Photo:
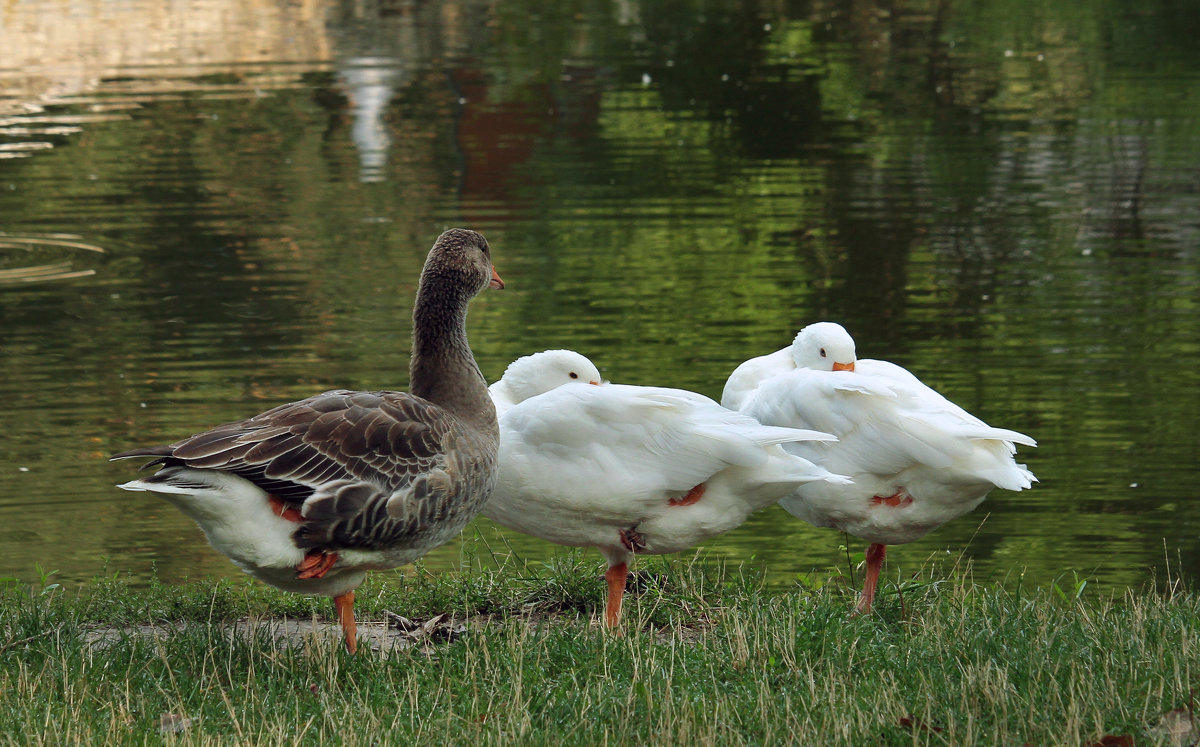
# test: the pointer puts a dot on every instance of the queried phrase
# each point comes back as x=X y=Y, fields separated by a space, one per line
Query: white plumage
x=632 y=469
x=239 y=522
x=916 y=459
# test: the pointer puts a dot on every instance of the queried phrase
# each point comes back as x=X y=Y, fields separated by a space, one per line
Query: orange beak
x=843 y=366
x=594 y=383
x=496 y=283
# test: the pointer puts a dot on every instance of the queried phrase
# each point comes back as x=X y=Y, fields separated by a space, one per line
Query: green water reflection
x=999 y=195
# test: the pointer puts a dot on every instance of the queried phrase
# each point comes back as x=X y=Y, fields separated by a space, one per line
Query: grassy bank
x=709 y=656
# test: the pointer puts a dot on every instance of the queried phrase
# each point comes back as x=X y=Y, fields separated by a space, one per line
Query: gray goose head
x=460 y=262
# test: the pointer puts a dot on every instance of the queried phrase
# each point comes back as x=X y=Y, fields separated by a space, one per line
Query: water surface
x=210 y=208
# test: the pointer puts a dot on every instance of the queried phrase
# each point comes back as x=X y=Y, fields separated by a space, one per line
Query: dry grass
x=707 y=658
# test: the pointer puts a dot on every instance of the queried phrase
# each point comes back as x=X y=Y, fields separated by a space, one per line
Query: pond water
x=213 y=207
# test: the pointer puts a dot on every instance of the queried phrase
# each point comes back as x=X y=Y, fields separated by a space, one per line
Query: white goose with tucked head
x=312 y=494
x=535 y=374
x=916 y=459
x=630 y=469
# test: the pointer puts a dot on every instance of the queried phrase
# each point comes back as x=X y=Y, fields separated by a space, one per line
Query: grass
x=709 y=656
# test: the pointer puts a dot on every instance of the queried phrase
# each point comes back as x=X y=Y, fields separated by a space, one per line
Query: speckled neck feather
x=443 y=369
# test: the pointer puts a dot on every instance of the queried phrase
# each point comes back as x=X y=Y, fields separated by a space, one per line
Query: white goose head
x=538 y=373
x=824 y=346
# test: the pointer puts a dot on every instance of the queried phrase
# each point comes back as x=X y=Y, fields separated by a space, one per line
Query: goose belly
x=679 y=528
x=554 y=518
x=862 y=509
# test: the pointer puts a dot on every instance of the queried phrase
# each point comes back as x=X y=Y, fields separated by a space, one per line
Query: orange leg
x=692 y=496
x=316 y=564
x=282 y=509
x=345 y=609
x=615 y=576
x=875 y=555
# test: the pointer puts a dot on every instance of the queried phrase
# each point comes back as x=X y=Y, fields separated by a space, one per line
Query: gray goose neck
x=443 y=369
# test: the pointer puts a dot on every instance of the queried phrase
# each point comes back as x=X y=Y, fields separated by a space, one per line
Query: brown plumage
x=371 y=479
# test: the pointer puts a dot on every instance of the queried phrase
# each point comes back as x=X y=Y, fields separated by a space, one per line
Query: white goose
x=312 y=494
x=630 y=469
x=917 y=460
x=536 y=374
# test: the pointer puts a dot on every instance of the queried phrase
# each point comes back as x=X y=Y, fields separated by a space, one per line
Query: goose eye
x=573 y=375
x=822 y=352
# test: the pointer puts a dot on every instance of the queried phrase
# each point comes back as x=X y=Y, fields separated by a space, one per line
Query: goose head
x=824 y=346
x=538 y=373
x=461 y=259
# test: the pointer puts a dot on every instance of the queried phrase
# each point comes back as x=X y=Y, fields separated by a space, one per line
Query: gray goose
x=312 y=494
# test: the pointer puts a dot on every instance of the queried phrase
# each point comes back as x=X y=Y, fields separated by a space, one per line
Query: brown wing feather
x=369 y=469
x=381 y=438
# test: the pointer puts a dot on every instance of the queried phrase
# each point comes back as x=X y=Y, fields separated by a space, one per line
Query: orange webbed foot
x=632 y=540
x=316 y=564
x=899 y=499
x=691 y=497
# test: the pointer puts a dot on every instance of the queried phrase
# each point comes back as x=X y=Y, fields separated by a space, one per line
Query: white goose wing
x=501 y=397
x=924 y=403
x=885 y=418
x=617 y=449
x=747 y=376
x=836 y=402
